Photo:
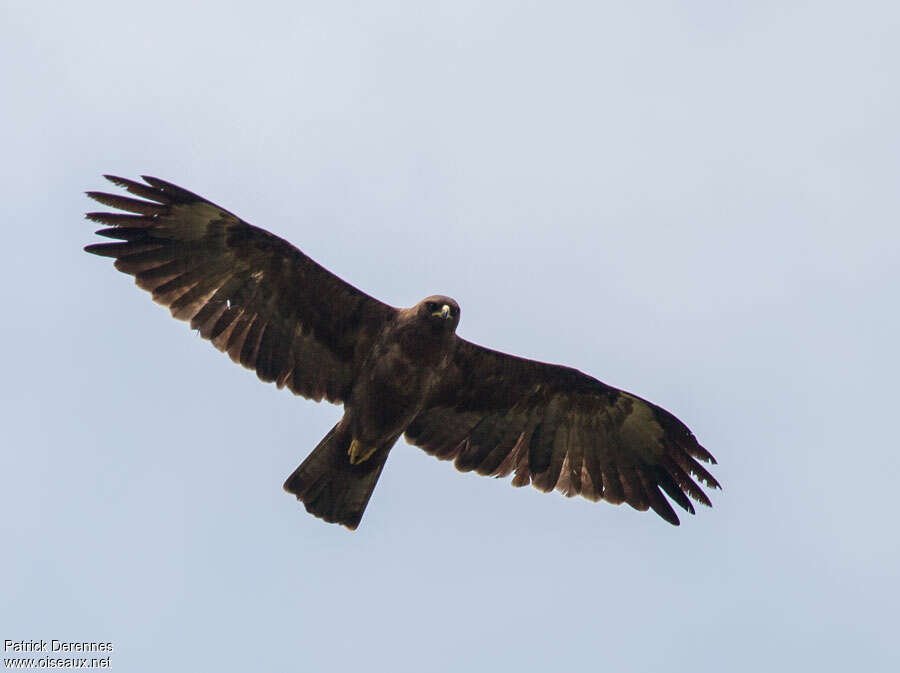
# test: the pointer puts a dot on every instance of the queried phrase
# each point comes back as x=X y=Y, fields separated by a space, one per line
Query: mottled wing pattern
x=252 y=294
x=557 y=428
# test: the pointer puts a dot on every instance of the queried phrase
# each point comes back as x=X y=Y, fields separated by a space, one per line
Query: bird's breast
x=394 y=386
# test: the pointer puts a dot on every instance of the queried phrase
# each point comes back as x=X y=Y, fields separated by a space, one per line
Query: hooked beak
x=443 y=313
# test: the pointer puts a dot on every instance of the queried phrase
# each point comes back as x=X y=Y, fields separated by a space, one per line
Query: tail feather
x=329 y=486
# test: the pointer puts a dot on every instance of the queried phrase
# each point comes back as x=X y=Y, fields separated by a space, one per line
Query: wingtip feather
x=101 y=249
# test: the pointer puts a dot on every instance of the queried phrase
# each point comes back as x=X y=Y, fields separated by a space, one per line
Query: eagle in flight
x=396 y=371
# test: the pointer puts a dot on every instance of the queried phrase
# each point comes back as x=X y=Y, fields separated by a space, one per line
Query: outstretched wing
x=560 y=429
x=254 y=295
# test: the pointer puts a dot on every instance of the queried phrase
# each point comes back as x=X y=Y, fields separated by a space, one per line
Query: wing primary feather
x=698 y=451
x=120 y=219
x=138 y=189
x=689 y=464
x=128 y=204
x=154 y=255
x=174 y=192
x=684 y=481
x=104 y=249
x=125 y=233
x=118 y=250
x=658 y=502
x=668 y=484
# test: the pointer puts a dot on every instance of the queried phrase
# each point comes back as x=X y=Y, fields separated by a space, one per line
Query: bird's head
x=439 y=311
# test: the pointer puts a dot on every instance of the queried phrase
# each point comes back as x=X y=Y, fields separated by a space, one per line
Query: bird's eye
x=431 y=306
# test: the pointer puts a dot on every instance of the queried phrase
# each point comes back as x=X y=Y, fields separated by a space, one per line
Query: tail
x=329 y=486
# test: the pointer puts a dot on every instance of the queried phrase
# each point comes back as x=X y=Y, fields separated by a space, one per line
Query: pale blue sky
x=695 y=201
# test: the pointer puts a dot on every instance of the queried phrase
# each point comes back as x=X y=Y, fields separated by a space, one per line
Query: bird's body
x=396 y=371
x=406 y=362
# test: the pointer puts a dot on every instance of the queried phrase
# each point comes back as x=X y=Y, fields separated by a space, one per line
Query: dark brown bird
x=396 y=371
